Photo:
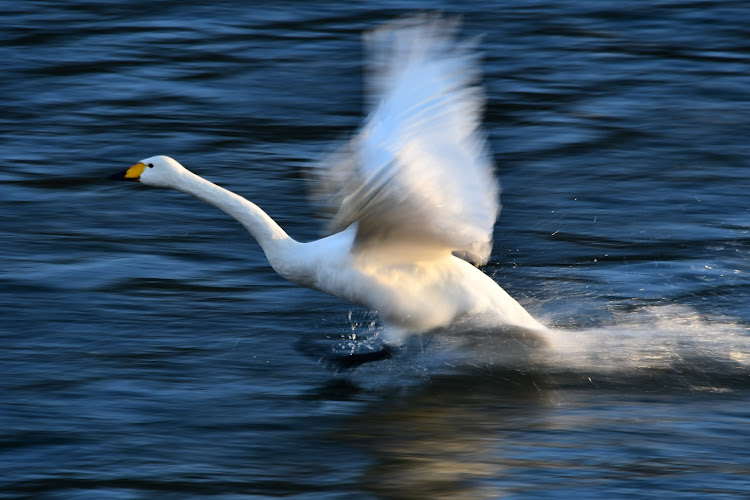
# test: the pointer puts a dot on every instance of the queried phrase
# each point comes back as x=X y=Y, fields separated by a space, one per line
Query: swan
x=412 y=196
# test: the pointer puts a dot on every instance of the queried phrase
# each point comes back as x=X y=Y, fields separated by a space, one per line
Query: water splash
x=650 y=348
x=670 y=344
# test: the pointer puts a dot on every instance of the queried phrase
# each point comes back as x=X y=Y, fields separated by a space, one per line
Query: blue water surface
x=149 y=351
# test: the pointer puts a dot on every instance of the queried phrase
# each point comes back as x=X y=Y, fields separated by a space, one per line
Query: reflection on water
x=499 y=433
x=445 y=440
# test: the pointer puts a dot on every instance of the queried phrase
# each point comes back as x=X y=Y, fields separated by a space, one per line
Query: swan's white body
x=410 y=192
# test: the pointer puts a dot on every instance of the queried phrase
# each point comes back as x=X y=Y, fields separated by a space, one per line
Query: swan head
x=160 y=171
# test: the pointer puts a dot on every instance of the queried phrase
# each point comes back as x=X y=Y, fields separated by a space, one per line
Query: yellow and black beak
x=131 y=174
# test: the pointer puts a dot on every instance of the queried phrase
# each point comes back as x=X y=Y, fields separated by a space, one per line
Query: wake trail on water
x=673 y=343
x=654 y=347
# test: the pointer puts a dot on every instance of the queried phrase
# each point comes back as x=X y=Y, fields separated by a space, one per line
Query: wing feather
x=418 y=174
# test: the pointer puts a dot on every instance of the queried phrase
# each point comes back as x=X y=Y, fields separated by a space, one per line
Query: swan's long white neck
x=276 y=243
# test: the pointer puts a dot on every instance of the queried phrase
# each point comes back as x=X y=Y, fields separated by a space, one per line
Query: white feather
x=418 y=174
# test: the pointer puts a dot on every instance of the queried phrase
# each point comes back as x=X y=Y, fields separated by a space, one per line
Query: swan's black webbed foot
x=342 y=360
x=348 y=361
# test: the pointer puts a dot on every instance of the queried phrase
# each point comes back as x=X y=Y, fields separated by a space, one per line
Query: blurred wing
x=418 y=175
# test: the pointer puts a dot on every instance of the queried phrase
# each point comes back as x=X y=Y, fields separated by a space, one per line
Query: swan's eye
x=150 y=165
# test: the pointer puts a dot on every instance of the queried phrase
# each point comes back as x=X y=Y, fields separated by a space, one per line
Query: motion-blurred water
x=148 y=351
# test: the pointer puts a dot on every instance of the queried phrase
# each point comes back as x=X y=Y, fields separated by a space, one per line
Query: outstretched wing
x=418 y=175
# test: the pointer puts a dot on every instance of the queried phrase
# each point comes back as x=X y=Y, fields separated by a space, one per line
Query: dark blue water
x=148 y=351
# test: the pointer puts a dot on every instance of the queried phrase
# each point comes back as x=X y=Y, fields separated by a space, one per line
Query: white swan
x=413 y=189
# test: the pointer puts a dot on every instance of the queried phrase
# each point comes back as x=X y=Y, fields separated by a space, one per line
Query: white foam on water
x=665 y=346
